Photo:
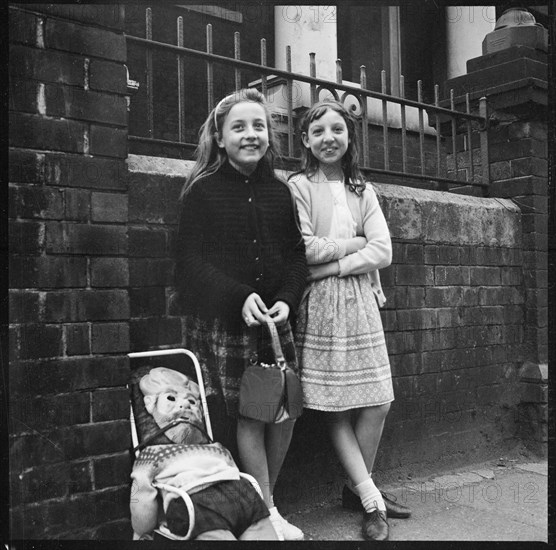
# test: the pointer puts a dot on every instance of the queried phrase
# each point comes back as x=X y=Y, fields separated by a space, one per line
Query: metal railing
x=463 y=159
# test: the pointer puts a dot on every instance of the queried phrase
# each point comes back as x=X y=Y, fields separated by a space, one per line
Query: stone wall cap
x=426 y=195
x=159 y=165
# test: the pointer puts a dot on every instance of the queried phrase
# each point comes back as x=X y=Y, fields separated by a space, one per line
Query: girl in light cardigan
x=341 y=346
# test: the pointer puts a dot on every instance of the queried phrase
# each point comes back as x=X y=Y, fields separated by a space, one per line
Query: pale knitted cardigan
x=315 y=203
x=189 y=467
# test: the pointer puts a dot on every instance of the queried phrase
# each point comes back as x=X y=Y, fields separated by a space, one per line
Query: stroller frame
x=200 y=383
x=163 y=530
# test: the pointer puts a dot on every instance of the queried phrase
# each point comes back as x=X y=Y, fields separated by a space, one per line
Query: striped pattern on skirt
x=341 y=346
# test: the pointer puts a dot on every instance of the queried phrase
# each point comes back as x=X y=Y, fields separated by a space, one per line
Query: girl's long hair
x=209 y=156
x=350 y=161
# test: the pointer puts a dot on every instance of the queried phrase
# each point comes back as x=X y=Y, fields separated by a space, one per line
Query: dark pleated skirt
x=225 y=353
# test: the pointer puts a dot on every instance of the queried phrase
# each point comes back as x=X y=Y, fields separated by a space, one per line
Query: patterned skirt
x=341 y=347
x=224 y=354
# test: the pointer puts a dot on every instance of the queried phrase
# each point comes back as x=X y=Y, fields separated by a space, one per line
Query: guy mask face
x=169 y=395
x=172 y=404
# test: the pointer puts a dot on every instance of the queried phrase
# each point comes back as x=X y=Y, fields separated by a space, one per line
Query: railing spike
x=149 y=24
x=237 y=55
x=404 y=127
x=313 y=74
x=454 y=135
x=149 y=70
x=388 y=101
x=181 y=83
x=210 y=73
x=483 y=111
x=437 y=121
x=364 y=120
x=363 y=77
x=339 y=71
x=289 y=100
x=386 y=154
x=263 y=63
x=421 y=127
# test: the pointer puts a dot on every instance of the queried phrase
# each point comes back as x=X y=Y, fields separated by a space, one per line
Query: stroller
x=151 y=440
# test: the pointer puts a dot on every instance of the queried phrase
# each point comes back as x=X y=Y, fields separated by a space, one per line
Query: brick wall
x=90 y=273
x=454 y=329
x=515 y=81
x=519 y=169
x=454 y=324
x=69 y=270
x=453 y=321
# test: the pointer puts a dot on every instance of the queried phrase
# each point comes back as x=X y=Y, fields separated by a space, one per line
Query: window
x=407 y=40
x=362 y=32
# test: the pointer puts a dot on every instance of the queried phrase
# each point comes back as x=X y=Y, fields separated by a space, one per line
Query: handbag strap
x=276 y=346
x=275 y=342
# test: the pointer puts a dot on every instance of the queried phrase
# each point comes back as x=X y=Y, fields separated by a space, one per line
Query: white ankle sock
x=370 y=496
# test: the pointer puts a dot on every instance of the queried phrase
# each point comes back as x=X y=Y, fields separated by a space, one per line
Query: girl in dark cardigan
x=240 y=257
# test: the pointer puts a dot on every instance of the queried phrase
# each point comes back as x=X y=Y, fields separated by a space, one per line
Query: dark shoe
x=393 y=510
x=375 y=526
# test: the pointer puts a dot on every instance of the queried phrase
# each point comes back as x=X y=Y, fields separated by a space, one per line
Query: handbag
x=270 y=393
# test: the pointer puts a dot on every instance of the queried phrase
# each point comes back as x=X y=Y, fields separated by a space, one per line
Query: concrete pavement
x=503 y=500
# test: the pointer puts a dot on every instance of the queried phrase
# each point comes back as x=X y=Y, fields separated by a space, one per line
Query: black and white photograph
x=278 y=272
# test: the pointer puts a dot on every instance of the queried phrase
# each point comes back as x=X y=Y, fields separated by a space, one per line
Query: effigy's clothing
x=188 y=467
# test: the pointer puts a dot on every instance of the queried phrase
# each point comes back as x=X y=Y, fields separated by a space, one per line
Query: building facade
x=93 y=187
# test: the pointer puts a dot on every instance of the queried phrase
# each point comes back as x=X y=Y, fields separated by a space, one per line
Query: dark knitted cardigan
x=238 y=235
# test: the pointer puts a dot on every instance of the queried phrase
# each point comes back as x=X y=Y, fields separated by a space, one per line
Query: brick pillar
x=69 y=303
x=514 y=80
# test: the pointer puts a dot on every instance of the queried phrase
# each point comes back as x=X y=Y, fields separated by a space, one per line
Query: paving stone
x=509 y=504
x=538 y=468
